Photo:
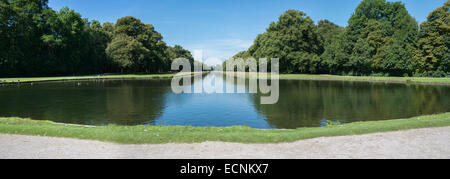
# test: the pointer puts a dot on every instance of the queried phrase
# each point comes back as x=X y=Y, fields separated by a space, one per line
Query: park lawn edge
x=405 y=80
x=412 y=80
x=420 y=80
x=92 y=77
x=187 y=134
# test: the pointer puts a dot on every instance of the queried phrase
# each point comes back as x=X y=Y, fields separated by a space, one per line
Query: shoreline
x=366 y=80
x=398 y=80
x=86 y=78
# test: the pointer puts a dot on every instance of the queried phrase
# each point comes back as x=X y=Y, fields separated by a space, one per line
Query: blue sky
x=221 y=28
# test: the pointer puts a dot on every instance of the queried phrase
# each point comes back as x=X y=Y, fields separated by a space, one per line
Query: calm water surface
x=151 y=102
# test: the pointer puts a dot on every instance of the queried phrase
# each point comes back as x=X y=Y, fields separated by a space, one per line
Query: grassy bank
x=97 y=77
x=184 y=134
x=424 y=80
x=369 y=78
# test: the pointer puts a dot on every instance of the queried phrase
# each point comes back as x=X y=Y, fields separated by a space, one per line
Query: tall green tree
x=96 y=60
x=66 y=41
x=155 y=59
x=127 y=53
x=329 y=33
x=433 y=53
x=178 y=51
x=336 y=54
x=381 y=36
x=6 y=20
x=294 y=39
x=23 y=22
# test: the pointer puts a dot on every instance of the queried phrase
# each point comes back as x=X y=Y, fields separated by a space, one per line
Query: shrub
x=437 y=74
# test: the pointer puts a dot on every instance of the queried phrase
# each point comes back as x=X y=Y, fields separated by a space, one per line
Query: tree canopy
x=381 y=38
x=294 y=39
x=433 y=53
x=38 y=41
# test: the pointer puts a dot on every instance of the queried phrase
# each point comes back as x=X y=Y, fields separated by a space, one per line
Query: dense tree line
x=38 y=41
x=381 y=38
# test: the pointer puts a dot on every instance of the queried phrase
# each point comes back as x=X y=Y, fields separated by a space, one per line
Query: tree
x=178 y=51
x=329 y=33
x=294 y=40
x=367 y=49
x=127 y=53
x=38 y=41
x=6 y=19
x=66 y=41
x=336 y=54
x=156 y=59
x=433 y=53
x=96 y=60
x=108 y=28
x=21 y=28
x=382 y=36
x=243 y=55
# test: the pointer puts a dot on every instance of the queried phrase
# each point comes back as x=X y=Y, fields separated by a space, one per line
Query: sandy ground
x=418 y=143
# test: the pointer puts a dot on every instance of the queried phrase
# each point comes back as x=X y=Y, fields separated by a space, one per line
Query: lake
x=302 y=103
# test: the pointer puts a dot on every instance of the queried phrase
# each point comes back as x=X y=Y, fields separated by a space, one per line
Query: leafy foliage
x=294 y=39
x=38 y=41
x=433 y=54
x=381 y=38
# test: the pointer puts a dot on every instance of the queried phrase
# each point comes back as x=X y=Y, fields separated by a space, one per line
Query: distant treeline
x=381 y=39
x=38 y=41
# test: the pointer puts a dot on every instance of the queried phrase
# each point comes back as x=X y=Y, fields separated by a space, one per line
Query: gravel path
x=418 y=143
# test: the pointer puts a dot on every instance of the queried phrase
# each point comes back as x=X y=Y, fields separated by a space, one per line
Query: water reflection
x=305 y=103
x=126 y=102
x=212 y=109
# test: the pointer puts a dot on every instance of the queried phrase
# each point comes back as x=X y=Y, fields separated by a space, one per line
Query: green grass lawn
x=425 y=80
x=370 y=78
x=186 y=134
x=43 y=79
x=282 y=76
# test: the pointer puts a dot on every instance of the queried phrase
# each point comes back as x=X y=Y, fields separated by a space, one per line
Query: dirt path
x=418 y=143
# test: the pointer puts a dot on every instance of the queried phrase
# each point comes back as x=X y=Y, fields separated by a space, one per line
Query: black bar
x=228 y=168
